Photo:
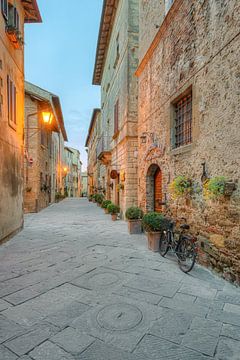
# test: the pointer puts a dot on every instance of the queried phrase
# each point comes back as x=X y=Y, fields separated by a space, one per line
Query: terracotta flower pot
x=135 y=226
x=114 y=217
x=153 y=241
x=93 y=200
x=106 y=211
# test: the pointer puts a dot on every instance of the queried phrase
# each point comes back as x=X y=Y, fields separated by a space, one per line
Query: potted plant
x=218 y=187
x=113 y=210
x=154 y=223
x=99 y=199
x=90 y=198
x=105 y=204
x=181 y=186
x=134 y=216
x=94 y=198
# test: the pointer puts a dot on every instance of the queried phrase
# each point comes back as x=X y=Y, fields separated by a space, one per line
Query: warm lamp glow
x=47 y=117
x=65 y=169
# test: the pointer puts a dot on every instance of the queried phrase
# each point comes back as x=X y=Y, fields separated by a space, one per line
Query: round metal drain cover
x=103 y=279
x=119 y=317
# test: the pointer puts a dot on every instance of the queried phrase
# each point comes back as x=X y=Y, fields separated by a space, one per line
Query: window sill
x=182 y=149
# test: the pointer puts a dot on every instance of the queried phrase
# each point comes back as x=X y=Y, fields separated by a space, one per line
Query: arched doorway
x=154 y=189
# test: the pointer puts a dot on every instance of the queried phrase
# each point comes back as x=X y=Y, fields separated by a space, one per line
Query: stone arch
x=154 y=172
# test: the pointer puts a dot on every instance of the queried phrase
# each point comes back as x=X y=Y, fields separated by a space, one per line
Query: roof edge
x=96 y=111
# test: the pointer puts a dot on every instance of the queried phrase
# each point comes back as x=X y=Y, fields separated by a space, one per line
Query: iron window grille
x=183 y=121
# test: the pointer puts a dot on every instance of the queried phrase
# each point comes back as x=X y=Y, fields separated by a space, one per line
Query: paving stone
x=70 y=312
x=161 y=287
x=5 y=354
x=138 y=295
x=209 y=327
x=184 y=306
x=195 y=290
x=214 y=304
x=228 y=349
x=231 y=331
x=27 y=342
x=49 y=351
x=4 y=305
x=72 y=340
x=184 y=298
x=171 y=325
x=232 y=308
x=21 y=296
x=101 y=351
x=200 y=341
x=119 y=321
x=9 y=329
x=160 y=349
x=231 y=297
x=101 y=279
x=225 y=317
x=74 y=240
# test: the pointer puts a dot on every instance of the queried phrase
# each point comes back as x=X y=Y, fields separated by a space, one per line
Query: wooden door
x=158 y=191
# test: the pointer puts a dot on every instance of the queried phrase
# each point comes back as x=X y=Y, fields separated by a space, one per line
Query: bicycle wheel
x=164 y=242
x=187 y=254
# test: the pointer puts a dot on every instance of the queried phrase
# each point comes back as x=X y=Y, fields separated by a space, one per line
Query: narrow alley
x=75 y=285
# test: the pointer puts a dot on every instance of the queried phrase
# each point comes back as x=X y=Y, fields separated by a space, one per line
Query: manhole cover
x=103 y=279
x=119 y=317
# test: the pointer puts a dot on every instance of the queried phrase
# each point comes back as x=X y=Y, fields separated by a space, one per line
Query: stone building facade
x=12 y=110
x=44 y=144
x=76 y=172
x=188 y=120
x=93 y=138
x=116 y=63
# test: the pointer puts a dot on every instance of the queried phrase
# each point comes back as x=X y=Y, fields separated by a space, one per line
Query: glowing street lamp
x=47 y=117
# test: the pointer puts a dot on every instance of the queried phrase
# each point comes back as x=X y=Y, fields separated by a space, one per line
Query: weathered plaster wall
x=202 y=52
x=119 y=83
x=36 y=197
x=11 y=140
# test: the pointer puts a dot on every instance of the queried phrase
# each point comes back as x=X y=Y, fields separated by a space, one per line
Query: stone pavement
x=75 y=285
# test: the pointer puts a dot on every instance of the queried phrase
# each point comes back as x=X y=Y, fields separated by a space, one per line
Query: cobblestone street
x=75 y=285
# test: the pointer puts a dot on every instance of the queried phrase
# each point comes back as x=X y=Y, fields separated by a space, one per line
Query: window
x=117 y=52
x=12 y=106
x=13 y=17
x=116 y=117
x=183 y=121
x=4 y=7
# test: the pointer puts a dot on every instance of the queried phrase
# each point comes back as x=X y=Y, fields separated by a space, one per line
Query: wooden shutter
x=116 y=117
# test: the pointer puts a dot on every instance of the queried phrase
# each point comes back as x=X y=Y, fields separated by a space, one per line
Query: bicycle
x=185 y=246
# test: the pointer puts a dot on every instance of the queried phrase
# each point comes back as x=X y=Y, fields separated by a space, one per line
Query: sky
x=60 y=56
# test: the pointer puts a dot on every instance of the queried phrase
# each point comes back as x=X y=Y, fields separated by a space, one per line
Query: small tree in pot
x=113 y=210
x=99 y=199
x=154 y=223
x=134 y=216
x=105 y=204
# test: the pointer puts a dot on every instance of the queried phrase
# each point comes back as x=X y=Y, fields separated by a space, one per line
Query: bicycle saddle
x=185 y=227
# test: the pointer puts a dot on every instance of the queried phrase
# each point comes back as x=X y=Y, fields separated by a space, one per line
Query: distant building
x=84 y=179
x=13 y=15
x=68 y=168
x=95 y=183
x=115 y=66
x=76 y=172
x=44 y=146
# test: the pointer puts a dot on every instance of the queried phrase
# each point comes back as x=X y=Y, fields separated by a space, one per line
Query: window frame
x=4 y=9
x=116 y=117
x=12 y=103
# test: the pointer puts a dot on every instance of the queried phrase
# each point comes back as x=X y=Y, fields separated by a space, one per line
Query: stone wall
x=120 y=84
x=201 y=53
x=11 y=135
x=36 y=196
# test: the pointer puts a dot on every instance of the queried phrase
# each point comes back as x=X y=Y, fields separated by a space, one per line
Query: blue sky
x=60 y=56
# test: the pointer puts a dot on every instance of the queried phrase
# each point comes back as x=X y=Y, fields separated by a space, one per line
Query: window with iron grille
x=12 y=103
x=183 y=121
